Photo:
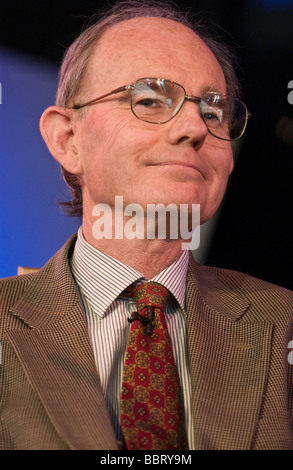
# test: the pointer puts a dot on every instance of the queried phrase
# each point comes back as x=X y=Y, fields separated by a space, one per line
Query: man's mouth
x=180 y=163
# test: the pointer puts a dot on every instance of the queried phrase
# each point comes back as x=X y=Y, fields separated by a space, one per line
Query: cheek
x=97 y=133
x=220 y=163
x=220 y=157
x=113 y=150
x=112 y=133
x=231 y=164
x=98 y=143
x=92 y=148
x=224 y=166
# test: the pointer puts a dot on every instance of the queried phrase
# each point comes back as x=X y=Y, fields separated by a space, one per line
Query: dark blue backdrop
x=32 y=227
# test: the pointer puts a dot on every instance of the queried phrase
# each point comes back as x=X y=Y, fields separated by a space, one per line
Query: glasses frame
x=194 y=99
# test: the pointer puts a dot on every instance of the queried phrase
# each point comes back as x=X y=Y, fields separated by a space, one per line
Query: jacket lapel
x=229 y=358
x=56 y=355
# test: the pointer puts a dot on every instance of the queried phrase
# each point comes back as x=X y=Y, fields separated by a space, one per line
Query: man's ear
x=57 y=131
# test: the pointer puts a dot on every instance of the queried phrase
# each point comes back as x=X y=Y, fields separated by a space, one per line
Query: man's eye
x=213 y=116
x=149 y=103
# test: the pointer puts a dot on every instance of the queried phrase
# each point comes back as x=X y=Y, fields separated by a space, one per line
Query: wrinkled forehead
x=143 y=47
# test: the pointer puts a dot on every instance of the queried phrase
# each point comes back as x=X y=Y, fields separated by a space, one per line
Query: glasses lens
x=225 y=117
x=156 y=100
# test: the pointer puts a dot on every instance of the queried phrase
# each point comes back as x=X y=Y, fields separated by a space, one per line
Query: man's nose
x=188 y=126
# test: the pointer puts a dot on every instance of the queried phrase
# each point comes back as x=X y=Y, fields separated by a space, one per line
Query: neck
x=149 y=257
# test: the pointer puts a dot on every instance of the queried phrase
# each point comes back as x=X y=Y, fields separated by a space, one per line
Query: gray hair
x=77 y=57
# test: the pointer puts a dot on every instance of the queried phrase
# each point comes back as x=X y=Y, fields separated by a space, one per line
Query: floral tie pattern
x=152 y=415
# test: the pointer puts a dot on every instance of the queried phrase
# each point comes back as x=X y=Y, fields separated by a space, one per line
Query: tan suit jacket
x=238 y=333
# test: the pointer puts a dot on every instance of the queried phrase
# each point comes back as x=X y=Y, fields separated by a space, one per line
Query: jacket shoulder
x=41 y=295
x=11 y=289
x=256 y=290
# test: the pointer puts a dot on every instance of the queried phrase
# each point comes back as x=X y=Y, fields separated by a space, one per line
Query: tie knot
x=148 y=294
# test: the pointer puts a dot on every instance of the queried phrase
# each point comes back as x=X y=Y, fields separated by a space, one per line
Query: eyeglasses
x=157 y=101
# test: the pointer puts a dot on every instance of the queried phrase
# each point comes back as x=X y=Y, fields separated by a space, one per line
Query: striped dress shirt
x=100 y=280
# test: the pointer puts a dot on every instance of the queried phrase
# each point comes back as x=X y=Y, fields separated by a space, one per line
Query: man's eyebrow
x=211 y=89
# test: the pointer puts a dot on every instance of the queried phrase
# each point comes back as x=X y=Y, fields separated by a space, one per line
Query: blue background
x=32 y=226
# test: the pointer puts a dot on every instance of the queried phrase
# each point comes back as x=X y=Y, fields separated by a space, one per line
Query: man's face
x=176 y=162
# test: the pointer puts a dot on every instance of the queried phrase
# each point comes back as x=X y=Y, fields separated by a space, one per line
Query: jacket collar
x=207 y=285
x=51 y=293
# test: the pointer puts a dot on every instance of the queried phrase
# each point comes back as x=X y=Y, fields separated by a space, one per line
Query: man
x=124 y=126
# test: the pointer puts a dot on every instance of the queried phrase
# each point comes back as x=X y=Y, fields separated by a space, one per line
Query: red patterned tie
x=152 y=415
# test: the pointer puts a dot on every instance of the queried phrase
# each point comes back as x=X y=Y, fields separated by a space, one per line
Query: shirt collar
x=101 y=278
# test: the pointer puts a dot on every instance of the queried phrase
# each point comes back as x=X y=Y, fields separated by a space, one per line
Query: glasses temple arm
x=88 y=103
